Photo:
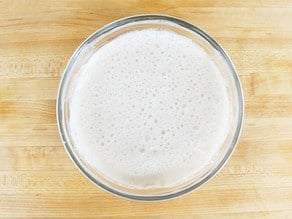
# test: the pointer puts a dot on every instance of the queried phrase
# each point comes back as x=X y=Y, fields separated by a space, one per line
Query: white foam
x=151 y=109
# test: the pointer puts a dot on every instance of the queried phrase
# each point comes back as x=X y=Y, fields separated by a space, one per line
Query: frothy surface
x=150 y=109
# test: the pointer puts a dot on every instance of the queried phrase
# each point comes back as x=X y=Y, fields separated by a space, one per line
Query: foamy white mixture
x=149 y=109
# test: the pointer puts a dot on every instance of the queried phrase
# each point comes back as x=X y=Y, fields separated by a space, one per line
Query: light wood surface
x=37 y=179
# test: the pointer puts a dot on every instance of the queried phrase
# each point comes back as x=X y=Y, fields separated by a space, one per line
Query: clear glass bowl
x=113 y=30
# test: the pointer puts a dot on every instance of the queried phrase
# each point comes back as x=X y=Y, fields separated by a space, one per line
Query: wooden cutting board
x=37 y=179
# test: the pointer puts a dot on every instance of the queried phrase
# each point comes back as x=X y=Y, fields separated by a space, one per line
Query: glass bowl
x=113 y=30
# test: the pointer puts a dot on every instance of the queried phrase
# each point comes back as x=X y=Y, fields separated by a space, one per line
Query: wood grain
x=37 y=179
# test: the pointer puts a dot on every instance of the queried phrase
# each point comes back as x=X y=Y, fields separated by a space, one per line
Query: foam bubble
x=151 y=109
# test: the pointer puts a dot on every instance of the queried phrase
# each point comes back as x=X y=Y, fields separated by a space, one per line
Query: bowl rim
x=60 y=113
